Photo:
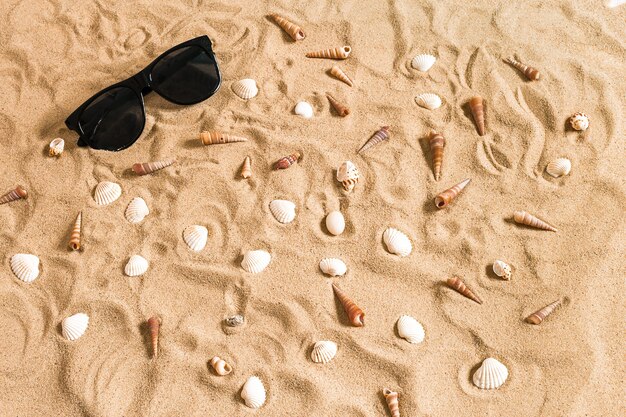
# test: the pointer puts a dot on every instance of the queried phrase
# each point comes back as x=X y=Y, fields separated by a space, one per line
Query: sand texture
x=56 y=54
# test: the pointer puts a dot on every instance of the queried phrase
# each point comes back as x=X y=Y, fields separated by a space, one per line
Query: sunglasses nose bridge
x=143 y=81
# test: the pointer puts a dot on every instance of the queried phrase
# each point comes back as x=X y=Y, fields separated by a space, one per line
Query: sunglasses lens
x=186 y=75
x=114 y=120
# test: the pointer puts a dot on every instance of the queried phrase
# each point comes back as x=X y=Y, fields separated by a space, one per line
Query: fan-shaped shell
x=423 y=62
x=196 y=237
x=283 y=210
x=397 y=242
x=25 y=267
x=559 y=167
x=74 y=326
x=245 y=89
x=323 y=351
x=304 y=109
x=253 y=392
x=255 y=261
x=333 y=267
x=429 y=101
x=107 y=192
x=491 y=374
x=502 y=269
x=335 y=223
x=410 y=329
x=137 y=210
x=137 y=265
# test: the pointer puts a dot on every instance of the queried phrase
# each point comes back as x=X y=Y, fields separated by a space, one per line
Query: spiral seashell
x=423 y=62
x=107 y=192
x=355 y=314
x=154 y=325
x=333 y=267
x=392 y=402
x=283 y=210
x=220 y=366
x=531 y=73
x=196 y=237
x=287 y=161
x=150 y=167
x=253 y=392
x=246 y=169
x=136 y=211
x=217 y=138
x=335 y=223
x=137 y=265
x=255 y=261
x=348 y=175
x=478 y=113
x=25 y=267
x=56 y=147
x=341 y=75
x=331 y=53
x=502 y=269
x=428 y=101
x=446 y=197
x=521 y=217
x=74 y=326
x=292 y=30
x=410 y=329
x=304 y=109
x=397 y=242
x=381 y=135
x=460 y=287
x=16 y=194
x=579 y=121
x=437 y=143
x=323 y=351
x=559 y=167
x=538 y=316
x=245 y=89
x=235 y=321
x=491 y=374
x=341 y=110
x=75 y=235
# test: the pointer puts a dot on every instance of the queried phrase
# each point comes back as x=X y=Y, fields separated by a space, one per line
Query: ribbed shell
x=522 y=217
x=341 y=75
x=477 y=107
x=255 y=261
x=74 y=326
x=341 y=109
x=150 y=167
x=531 y=73
x=392 y=402
x=335 y=223
x=253 y=392
x=76 y=233
x=107 y=192
x=333 y=267
x=25 y=267
x=304 y=109
x=446 y=197
x=137 y=210
x=56 y=147
x=245 y=89
x=381 y=135
x=323 y=351
x=292 y=30
x=348 y=175
x=331 y=53
x=196 y=237
x=137 y=265
x=428 y=101
x=423 y=62
x=502 y=269
x=559 y=167
x=491 y=374
x=410 y=329
x=579 y=121
x=397 y=242
x=538 y=316
x=283 y=210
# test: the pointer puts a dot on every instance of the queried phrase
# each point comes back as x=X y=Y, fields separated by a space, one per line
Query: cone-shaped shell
x=338 y=73
x=217 y=138
x=531 y=73
x=246 y=169
x=335 y=223
x=323 y=351
x=437 y=143
x=245 y=89
x=287 y=161
x=559 y=167
x=579 y=121
x=253 y=392
x=75 y=235
x=331 y=53
x=292 y=30
x=74 y=326
x=381 y=135
x=460 y=287
x=477 y=108
x=348 y=175
x=154 y=325
x=56 y=147
x=25 y=267
x=392 y=402
x=107 y=192
x=150 y=167
x=16 y=194
x=220 y=366
x=410 y=329
x=341 y=110
x=255 y=261
x=195 y=237
x=397 y=242
x=502 y=269
x=428 y=101
x=136 y=265
x=538 y=316
x=355 y=314
x=491 y=374
x=446 y=197
x=137 y=210
x=333 y=267
x=283 y=210
x=423 y=62
x=304 y=109
x=521 y=217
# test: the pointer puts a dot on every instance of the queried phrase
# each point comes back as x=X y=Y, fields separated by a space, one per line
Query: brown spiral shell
x=437 y=143
x=355 y=314
x=531 y=73
x=154 y=325
x=75 y=235
x=522 y=217
x=340 y=75
x=341 y=110
x=216 y=138
x=392 y=402
x=292 y=30
x=287 y=161
x=331 y=53
x=446 y=197
x=476 y=104
x=538 y=316
x=246 y=169
x=16 y=194
x=150 y=167
x=460 y=287
x=381 y=135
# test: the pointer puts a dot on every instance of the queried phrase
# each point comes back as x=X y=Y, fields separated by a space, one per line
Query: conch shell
x=292 y=30
x=341 y=75
x=460 y=287
x=215 y=138
x=331 y=53
x=75 y=235
x=446 y=197
x=521 y=217
x=538 y=316
x=531 y=73
x=478 y=112
x=355 y=314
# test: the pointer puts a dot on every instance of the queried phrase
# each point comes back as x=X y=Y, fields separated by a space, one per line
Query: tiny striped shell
x=397 y=242
x=253 y=392
x=56 y=147
x=428 y=101
x=579 y=121
x=333 y=267
x=296 y=33
x=539 y=316
x=335 y=223
x=341 y=75
x=137 y=210
x=76 y=233
x=502 y=269
x=410 y=329
x=25 y=267
x=283 y=210
x=245 y=89
x=74 y=326
x=107 y=192
x=137 y=265
x=323 y=351
x=522 y=217
x=491 y=374
x=331 y=53
x=255 y=261
x=423 y=62
x=304 y=109
x=341 y=109
x=196 y=237
x=559 y=167
x=150 y=167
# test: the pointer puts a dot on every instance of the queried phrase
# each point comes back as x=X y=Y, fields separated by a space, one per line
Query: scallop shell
x=253 y=392
x=502 y=269
x=283 y=210
x=137 y=265
x=323 y=351
x=335 y=223
x=397 y=242
x=107 y=192
x=559 y=167
x=304 y=109
x=428 y=101
x=348 y=175
x=410 y=329
x=74 y=326
x=423 y=62
x=56 y=147
x=196 y=237
x=245 y=89
x=255 y=261
x=137 y=210
x=491 y=374
x=25 y=267
x=333 y=267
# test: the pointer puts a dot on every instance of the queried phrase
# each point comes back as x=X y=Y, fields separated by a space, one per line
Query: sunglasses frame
x=141 y=84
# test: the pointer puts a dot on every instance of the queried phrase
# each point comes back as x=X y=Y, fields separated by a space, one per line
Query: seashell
x=335 y=223
x=521 y=217
x=246 y=169
x=137 y=210
x=245 y=89
x=107 y=192
x=538 y=316
x=341 y=110
x=331 y=53
x=478 y=113
x=217 y=138
x=283 y=210
x=304 y=109
x=531 y=73
x=137 y=265
x=381 y=135
x=234 y=321
x=287 y=161
x=428 y=101
x=16 y=194
x=56 y=147
x=614 y=3
x=25 y=267
x=292 y=30
x=196 y=237
x=579 y=121
x=255 y=261
x=460 y=287
x=559 y=167
x=355 y=314
x=333 y=267
x=220 y=366
x=491 y=374
x=253 y=392
x=348 y=175
x=75 y=235
x=410 y=329
x=341 y=75
x=323 y=351
x=154 y=325
x=397 y=242
x=150 y=167
x=437 y=143
x=423 y=62
x=392 y=402
x=446 y=197
x=74 y=326
x=502 y=269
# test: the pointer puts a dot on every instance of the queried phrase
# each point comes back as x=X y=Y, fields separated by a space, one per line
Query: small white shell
x=491 y=374
x=579 y=121
x=196 y=237
x=137 y=265
x=423 y=62
x=57 y=146
x=25 y=267
x=137 y=210
x=335 y=223
x=348 y=175
x=323 y=351
x=397 y=242
x=502 y=269
x=429 y=101
x=245 y=89
x=253 y=392
x=333 y=267
x=107 y=192
x=74 y=326
x=255 y=261
x=283 y=210
x=410 y=329
x=304 y=109
x=559 y=167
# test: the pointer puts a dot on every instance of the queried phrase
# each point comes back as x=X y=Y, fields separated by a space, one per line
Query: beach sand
x=56 y=54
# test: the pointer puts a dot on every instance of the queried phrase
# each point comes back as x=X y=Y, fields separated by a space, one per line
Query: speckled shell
x=137 y=265
x=348 y=175
x=255 y=261
x=220 y=366
x=428 y=101
x=74 y=326
x=579 y=121
x=410 y=329
x=137 y=210
x=423 y=62
x=253 y=392
x=491 y=374
x=25 y=267
x=323 y=351
x=304 y=109
x=335 y=223
x=245 y=89
x=107 y=192
x=283 y=210
x=397 y=242
x=559 y=167
x=333 y=267
x=196 y=237
x=502 y=269
x=56 y=147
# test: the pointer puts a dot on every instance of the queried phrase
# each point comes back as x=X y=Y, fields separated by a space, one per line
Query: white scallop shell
x=137 y=265
x=107 y=192
x=137 y=210
x=283 y=210
x=429 y=101
x=491 y=374
x=304 y=109
x=255 y=261
x=196 y=237
x=423 y=62
x=25 y=267
x=335 y=223
x=57 y=146
x=410 y=329
x=253 y=392
x=333 y=267
x=502 y=269
x=579 y=121
x=323 y=351
x=397 y=242
x=74 y=326
x=559 y=167
x=245 y=89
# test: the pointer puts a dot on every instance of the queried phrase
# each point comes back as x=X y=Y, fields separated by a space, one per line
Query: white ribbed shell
x=137 y=265
x=429 y=101
x=304 y=109
x=107 y=192
x=255 y=261
x=75 y=326
x=491 y=374
x=245 y=89
x=323 y=351
x=333 y=267
x=423 y=62
x=253 y=392
x=25 y=266
x=559 y=167
x=502 y=269
x=410 y=329
x=137 y=210
x=335 y=223
x=397 y=242
x=196 y=237
x=283 y=210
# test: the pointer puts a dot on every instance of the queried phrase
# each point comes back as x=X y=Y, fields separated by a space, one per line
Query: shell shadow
x=192 y=144
x=144 y=330
x=490 y=274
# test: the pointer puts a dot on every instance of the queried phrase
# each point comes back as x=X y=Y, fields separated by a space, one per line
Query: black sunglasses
x=114 y=118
